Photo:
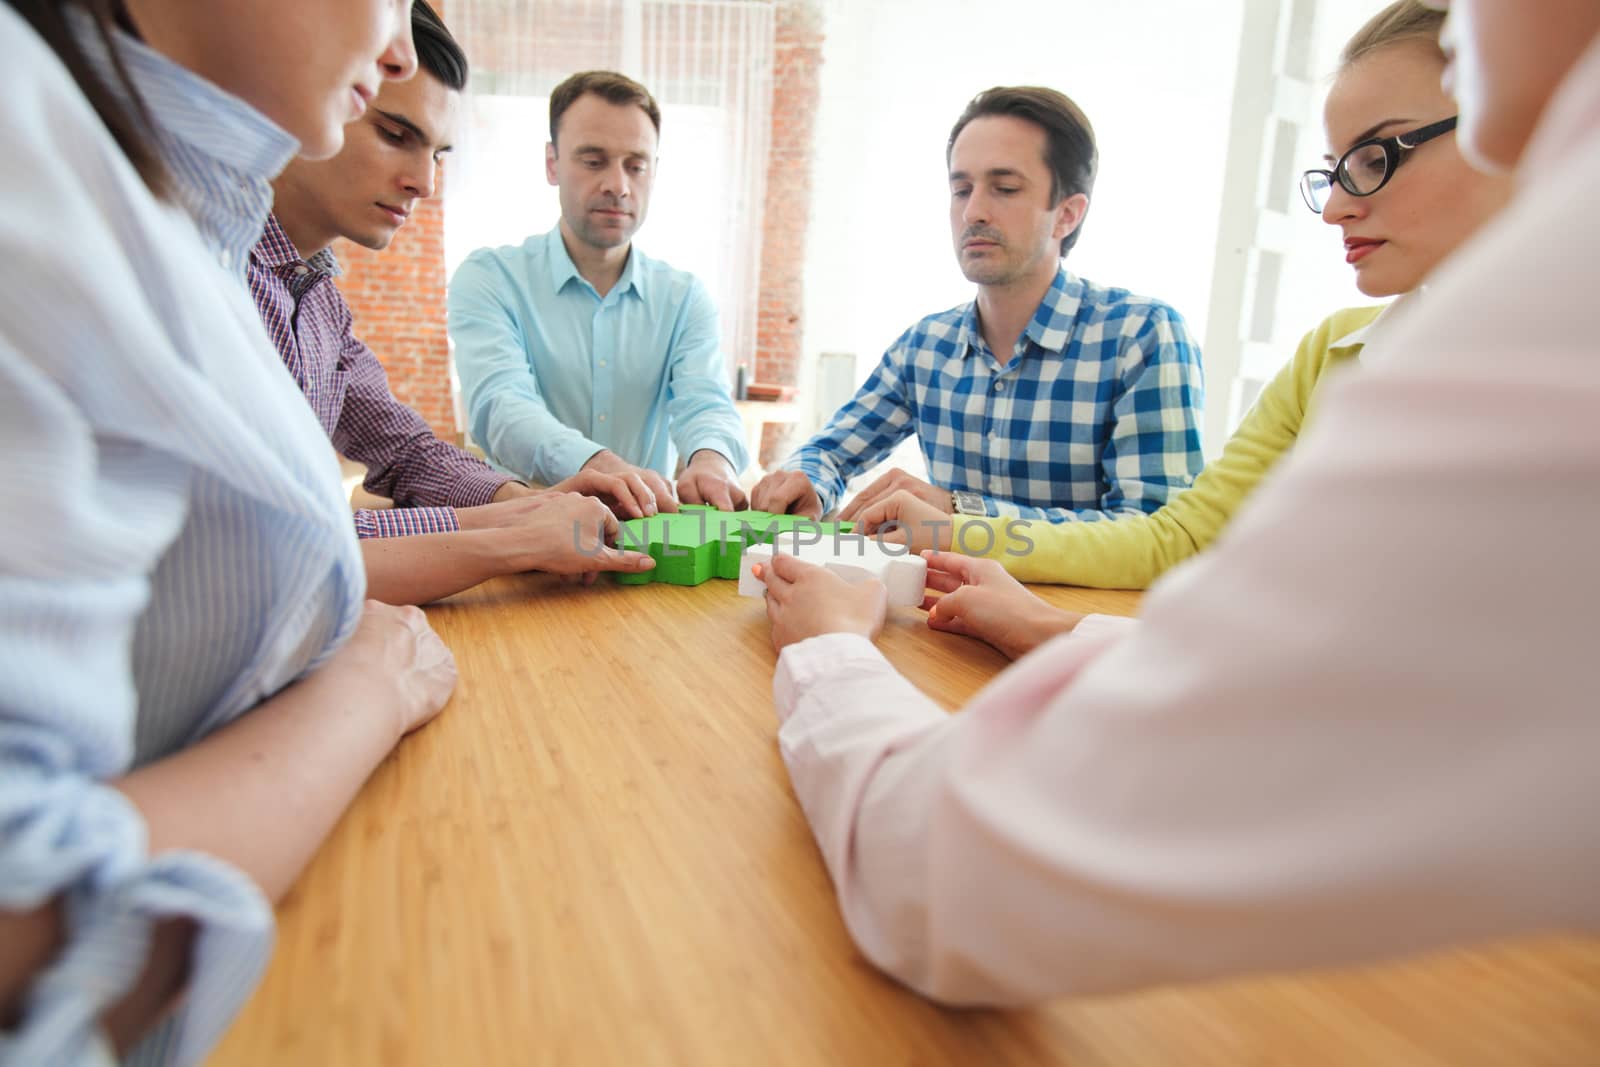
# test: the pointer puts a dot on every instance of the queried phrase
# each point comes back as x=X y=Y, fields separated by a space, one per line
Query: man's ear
x=1070 y=213
x=550 y=162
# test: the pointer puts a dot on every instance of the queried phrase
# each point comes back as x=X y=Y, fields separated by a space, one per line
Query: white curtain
x=709 y=65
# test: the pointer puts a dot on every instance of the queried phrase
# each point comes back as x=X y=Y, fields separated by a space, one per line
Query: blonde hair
x=1405 y=20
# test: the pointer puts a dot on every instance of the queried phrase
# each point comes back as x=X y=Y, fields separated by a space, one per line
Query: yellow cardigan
x=1131 y=552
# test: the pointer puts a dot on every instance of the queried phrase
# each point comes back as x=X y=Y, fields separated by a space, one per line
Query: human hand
x=897 y=481
x=710 y=479
x=979 y=599
x=574 y=534
x=394 y=648
x=786 y=492
x=657 y=489
x=804 y=600
x=627 y=494
x=903 y=518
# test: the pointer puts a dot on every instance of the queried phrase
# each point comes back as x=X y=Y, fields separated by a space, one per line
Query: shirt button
x=999 y=386
x=602 y=363
x=226 y=258
x=602 y=418
x=302 y=270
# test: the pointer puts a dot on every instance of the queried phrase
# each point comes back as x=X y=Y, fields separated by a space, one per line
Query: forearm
x=429 y=567
x=274 y=781
x=1128 y=553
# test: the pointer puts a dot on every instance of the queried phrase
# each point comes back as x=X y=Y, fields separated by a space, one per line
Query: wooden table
x=593 y=858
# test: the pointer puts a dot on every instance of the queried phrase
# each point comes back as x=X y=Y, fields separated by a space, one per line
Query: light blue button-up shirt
x=552 y=372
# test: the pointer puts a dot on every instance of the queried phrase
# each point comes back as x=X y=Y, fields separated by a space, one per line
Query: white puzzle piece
x=853 y=557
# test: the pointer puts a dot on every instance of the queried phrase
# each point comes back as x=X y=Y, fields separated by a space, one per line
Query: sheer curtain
x=709 y=65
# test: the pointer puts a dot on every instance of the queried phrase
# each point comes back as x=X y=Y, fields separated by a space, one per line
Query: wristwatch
x=966 y=502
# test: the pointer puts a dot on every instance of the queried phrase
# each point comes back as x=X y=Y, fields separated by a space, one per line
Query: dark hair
x=438 y=52
x=610 y=86
x=129 y=123
x=1069 y=149
x=1398 y=23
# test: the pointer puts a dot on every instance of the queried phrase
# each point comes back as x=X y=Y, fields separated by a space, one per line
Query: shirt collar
x=276 y=251
x=1361 y=336
x=219 y=152
x=1051 y=326
x=563 y=270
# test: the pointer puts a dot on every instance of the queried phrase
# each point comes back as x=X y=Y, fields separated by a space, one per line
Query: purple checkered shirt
x=308 y=320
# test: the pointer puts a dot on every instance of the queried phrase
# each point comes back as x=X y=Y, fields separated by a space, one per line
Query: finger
x=882 y=489
x=689 y=490
x=623 y=500
x=616 y=559
x=642 y=493
x=738 y=501
x=762 y=492
x=949 y=610
x=879 y=489
x=777 y=586
x=949 y=624
x=942 y=582
x=716 y=494
x=870 y=518
x=963 y=568
x=666 y=498
x=864 y=500
x=790 y=569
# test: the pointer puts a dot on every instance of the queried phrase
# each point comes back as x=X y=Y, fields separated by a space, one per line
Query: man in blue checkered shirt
x=1049 y=397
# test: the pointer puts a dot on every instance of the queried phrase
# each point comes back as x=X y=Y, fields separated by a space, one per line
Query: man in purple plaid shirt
x=458 y=521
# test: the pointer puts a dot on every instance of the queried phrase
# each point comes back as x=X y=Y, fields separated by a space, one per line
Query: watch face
x=969 y=503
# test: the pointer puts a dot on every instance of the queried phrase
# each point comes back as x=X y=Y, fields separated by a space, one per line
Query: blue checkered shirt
x=1096 y=414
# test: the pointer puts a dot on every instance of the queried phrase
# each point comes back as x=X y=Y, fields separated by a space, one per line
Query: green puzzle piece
x=699 y=542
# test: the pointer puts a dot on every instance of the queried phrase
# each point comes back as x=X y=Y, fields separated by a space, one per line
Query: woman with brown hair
x=190 y=688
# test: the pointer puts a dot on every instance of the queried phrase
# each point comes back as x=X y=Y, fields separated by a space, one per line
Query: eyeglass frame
x=1395 y=150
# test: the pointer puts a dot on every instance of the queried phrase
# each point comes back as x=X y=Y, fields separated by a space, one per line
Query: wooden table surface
x=593 y=858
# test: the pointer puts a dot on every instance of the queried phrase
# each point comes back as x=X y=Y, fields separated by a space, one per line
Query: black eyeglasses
x=1368 y=166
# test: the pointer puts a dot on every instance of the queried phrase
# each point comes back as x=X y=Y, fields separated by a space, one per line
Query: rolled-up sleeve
x=84 y=524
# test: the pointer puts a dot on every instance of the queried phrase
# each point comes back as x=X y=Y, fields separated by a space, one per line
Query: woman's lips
x=1356 y=251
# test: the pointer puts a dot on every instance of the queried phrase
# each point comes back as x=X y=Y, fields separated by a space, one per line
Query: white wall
x=1316 y=279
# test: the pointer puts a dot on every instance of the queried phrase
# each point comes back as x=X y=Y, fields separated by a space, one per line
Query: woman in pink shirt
x=1363 y=725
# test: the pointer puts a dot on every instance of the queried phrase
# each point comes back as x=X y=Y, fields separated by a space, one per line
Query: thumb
x=952 y=563
x=616 y=559
x=949 y=614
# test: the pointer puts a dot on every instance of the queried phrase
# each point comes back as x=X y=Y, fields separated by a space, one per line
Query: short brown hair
x=1070 y=150
x=610 y=86
x=1404 y=21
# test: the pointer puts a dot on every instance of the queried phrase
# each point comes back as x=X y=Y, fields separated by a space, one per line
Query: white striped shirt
x=174 y=546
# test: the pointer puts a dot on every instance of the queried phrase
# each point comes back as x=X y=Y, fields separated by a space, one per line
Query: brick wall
x=398 y=296
x=796 y=91
x=398 y=300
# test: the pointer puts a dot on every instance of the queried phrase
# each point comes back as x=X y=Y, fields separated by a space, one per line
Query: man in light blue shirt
x=575 y=350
